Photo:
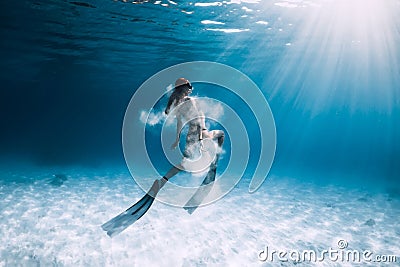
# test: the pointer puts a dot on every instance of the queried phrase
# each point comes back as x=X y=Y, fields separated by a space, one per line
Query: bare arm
x=201 y=119
x=178 y=127
x=178 y=131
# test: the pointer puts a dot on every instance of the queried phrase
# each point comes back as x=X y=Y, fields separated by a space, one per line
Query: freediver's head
x=182 y=89
x=183 y=86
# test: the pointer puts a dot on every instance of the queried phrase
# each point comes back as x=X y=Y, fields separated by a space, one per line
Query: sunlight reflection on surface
x=345 y=55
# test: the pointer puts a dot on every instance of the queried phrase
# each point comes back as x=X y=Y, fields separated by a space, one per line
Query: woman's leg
x=191 y=138
x=172 y=172
x=159 y=183
x=218 y=135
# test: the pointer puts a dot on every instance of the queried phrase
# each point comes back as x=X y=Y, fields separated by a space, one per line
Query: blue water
x=332 y=79
x=330 y=71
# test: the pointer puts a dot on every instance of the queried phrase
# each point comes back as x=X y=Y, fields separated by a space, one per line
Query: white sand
x=42 y=224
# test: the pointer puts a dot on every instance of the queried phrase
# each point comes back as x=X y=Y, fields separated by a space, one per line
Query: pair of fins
x=122 y=221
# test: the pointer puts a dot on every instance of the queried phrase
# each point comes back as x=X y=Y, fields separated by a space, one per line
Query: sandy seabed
x=43 y=223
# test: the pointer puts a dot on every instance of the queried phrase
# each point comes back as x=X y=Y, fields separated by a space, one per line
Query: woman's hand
x=174 y=145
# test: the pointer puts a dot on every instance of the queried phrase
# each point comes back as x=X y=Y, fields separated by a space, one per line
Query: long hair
x=180 y=91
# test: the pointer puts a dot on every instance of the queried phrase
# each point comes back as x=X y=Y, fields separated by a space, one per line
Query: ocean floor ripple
x=47 y=223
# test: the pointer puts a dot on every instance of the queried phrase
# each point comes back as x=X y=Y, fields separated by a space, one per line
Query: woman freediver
x=186 y=111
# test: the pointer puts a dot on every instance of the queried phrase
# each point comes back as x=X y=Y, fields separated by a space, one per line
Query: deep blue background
x=69 y=69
